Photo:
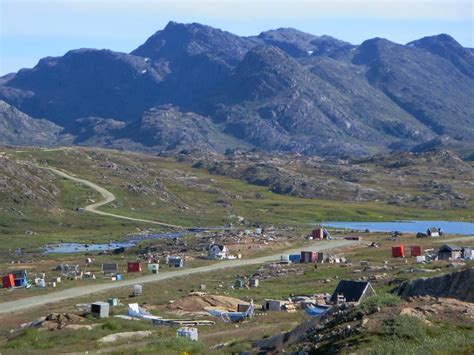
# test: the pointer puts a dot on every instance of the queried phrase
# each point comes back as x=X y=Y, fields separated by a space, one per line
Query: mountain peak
x=178 y=39
x=447 y=47
x=264 y=71
x=371 y=49
x=440 y=38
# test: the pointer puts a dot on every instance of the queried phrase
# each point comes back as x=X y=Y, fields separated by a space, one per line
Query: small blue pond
x=66 y=248
x=448 y=227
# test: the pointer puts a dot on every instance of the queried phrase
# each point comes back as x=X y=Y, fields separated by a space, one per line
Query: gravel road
x=38 y=301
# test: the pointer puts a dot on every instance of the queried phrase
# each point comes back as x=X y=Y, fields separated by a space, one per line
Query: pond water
x=449 y=227
x=66 y=248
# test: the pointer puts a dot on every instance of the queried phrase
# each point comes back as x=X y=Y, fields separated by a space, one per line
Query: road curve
x=107 y=198
x=37 y=301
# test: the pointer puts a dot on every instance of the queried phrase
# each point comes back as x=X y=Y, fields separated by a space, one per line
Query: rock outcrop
x=458 y=285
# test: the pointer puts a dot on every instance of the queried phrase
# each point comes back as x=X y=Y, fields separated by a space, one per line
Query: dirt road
x=37 y=301
x=107 y=198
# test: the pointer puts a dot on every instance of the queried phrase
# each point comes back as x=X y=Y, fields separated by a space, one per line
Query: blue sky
x=32 y=29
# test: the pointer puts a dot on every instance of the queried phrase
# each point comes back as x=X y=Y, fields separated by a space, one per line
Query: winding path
x=53 y=297
x=107 y=198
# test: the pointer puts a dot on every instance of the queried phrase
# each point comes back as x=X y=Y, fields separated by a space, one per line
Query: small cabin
x=415 y=250
x=134 y=266
x=188 y=333
x=8 y=281
x=20 y=278
x=110 y=268
x=449 y=252
x=100 y=309
x=352 y=291
x=273 y=305
x=432 y=232
x=253 y=282
x=175 y=261
x=398 y=251
x=308 y=257
x=153 y=268
x=217 y=252
x=317 y=233
x=295 y=258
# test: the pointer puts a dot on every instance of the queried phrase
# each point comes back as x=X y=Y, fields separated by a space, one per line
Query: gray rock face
x=458 y=285
x=283 y=90
x=17 y=128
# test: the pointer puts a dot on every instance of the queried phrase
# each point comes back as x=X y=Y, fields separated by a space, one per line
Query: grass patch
x=380 y=301
x=409 y=335
x=171 y=345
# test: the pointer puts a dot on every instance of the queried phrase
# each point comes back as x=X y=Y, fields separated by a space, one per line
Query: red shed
x=317 y=233
x=308 y=257
x=398 y=251
x=416 y=250
x=8 y=281
x=134 y=266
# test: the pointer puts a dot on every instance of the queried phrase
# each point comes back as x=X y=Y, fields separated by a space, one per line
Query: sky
x=33 y=29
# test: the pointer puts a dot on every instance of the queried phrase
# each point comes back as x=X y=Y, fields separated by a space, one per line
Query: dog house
x=100 y=309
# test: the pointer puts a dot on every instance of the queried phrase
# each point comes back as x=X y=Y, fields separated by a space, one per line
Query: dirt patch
x=440 y=309
x=112 y=338
x=198 y=303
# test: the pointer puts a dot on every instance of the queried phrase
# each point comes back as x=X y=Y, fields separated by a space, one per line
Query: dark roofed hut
x=447 y=252
x=353 y=291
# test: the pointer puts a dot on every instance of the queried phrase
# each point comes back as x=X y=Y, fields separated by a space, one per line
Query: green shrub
x=110 y=324
x=446 y=342
x=30 y=339
x=174 y=345
x=381 y=300
x=405 y=327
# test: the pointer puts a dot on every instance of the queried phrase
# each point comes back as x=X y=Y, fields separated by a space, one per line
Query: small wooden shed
x=100 y=309
x=134 y=266
x=8 y=281
x=308 y=257
x=317 y=233
x=448 y=252
x=416 y=250
x=273 y=305
x=398 y=251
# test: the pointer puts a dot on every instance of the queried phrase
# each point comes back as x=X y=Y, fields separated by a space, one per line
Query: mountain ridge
x=282 y=90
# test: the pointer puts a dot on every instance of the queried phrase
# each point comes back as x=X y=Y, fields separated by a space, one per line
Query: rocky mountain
x=17 y=128
x=191 y=85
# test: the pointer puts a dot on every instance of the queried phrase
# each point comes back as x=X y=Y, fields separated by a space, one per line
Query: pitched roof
x=449 y=247
x=220 y=246
x=433 y=230
x=352 y=290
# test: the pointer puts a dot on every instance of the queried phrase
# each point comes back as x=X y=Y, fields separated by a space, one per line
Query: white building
x=217 y=251
x=188 y=333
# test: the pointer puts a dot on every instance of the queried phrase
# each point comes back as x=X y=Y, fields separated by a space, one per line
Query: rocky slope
x=283 y=90
x=17 y=128
x=399 y=179
x=458 y=285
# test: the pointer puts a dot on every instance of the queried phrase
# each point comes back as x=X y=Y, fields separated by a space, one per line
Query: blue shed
x=19 y=276
x=295 y=258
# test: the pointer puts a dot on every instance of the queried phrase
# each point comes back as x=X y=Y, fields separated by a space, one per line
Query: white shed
x=188 y=333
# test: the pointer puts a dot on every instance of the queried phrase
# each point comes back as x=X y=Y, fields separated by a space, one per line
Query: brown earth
x=197 y=303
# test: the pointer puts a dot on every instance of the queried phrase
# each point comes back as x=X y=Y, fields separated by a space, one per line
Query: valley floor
x=95 y=196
